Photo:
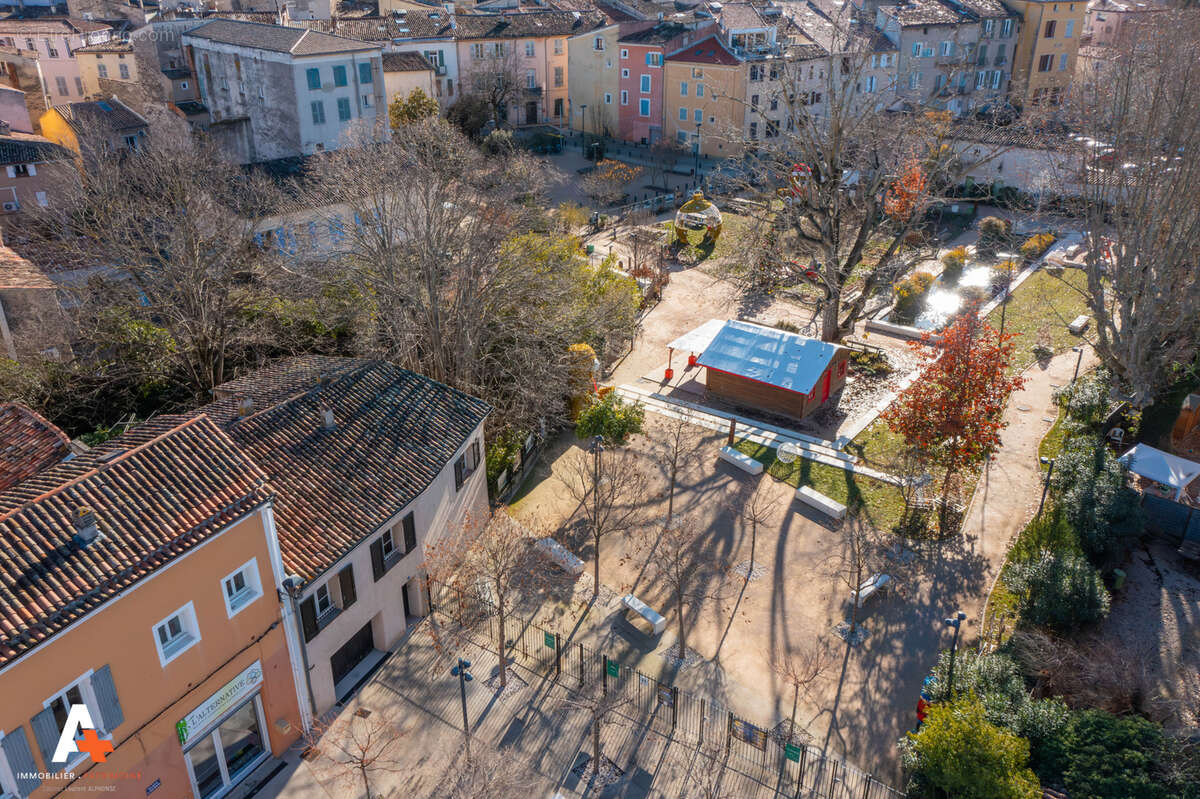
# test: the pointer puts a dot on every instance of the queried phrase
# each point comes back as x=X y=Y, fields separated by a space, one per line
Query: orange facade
x=232 y=680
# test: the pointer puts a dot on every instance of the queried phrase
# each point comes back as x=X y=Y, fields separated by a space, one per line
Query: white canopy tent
x=1161 y=467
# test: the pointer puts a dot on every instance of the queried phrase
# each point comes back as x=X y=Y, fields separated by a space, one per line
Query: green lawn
x=1052 y=442
x=878 y=446
x=882 y=502
x=1046 y=302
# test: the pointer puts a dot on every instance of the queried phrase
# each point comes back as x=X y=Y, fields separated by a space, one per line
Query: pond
x=945 y=299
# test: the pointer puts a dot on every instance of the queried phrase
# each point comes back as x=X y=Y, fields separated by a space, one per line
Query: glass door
x=219 y=759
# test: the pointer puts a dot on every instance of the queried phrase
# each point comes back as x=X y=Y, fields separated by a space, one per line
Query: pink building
x=640 y=87
x=1107 y=19
x=55 y=40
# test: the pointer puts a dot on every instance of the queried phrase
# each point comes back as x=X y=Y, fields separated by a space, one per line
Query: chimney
x=85 y=526
x=245 y=406
x=327 y=422
x=5 y=127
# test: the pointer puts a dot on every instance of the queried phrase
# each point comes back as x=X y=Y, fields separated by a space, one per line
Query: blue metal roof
x=768 y=355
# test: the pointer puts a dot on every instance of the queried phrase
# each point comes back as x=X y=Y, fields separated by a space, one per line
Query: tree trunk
x=366 y=783
x=671 y=497
x=596 y=744
x=679 y=617
x=753 y=541
x=500 y=650
x=596 y=565
x=945 y=499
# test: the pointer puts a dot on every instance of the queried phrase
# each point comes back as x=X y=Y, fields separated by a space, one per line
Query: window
x=754 y=101
x=102 y=70
x=184 y=84
x=124 y=70
x=1046 y=63
x=176 y=634
x=774 y=103
x=624 y=73
x=753 y=131
x=343 y=104
x=1062 y=62
x=95 y=690
x=466 y=464
x=1000 y=53
x=558 y=106
x=1006 y=28
x=683 y=89
x=914 y=80
x=624 y=97
x=51 y=50
x=699 y=89
x=989 y=25
x=41 y=199
x=1050 y=26
x=558 y=77
x=318 y=112
x=241 y=588
x=683 y=115
x=654 y=59
x=598 y=45
x=477 y=50
x=365 y=74
x=698 y=116
x=558 y=46
x=644 y=108
x=366 y=101
x=947 y=48
x=980 y=79
x=530 y=79
x=324 y=600
x=938 y=80
x=529 y=49
x=645 y=84
x=339 y=75
x=1069 y=29
x=314 y=78
x=916 y=51
x=61 y=83
x=983 y=48
x=624 y=53
x=607 y=98
x=870 y=83
x=997 y=76
x=498 y=49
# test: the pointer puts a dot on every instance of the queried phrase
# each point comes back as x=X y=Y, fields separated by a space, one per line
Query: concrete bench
x=821 y=502
x=870 y=587
x=1079 y=324
x=641 y=616
x=561 y=556
x=740 y=460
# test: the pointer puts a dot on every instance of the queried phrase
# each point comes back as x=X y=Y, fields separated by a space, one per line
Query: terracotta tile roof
x=406 y=62
x=526 y=24
x=275 y=38
x=394 y=433
x=153 y=502
x=708 y=51
x=430 y=24
x=28 y=444
x=18 y=273
x=51 y=25
x=27 y=148
x=924 y=12
x=112 y=46
x=111 y=115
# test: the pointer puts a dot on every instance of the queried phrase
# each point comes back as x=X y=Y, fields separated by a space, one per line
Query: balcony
x=439 y=70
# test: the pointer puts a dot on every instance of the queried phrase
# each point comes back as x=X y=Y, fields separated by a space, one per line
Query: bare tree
x=494 y=556
x=605 y=183
x=1137 y=165
x=801 y=667
x=497 y=79
x=678 y=443
x=854 y=176
x=857 y=561
x=168 y=231
x=640 y=242
x=607 y=485
x=355 y=746
x=602 y=706
x=677 y=559
x=435 y=237
x=707 y=776
x=665 y=154
x=754 y=505
x=486 y=773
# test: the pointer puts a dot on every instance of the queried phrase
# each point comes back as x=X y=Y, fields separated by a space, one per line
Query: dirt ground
x=864 y=703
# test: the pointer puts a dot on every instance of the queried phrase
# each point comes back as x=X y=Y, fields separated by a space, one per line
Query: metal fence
x=776 y=756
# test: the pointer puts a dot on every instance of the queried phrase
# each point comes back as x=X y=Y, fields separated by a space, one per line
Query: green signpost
x=614 y=668
x=548 y=638
x=792 y=752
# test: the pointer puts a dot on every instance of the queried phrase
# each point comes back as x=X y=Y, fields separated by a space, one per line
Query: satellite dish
x=788 y=452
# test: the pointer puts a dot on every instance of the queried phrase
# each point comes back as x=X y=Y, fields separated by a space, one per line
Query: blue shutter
x=20 y=760
x=106 y=695
x=365 y=75
x=647 y=59
x=46 y=731
x=314 y=78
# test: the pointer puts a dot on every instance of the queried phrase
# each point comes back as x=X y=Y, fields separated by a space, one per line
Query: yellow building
x=592 y=91
x=111 y=60
x=95 y=128
x=704 y=98
x=1044 y=59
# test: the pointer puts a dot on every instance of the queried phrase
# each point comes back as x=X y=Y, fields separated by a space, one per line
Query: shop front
x=225 y=738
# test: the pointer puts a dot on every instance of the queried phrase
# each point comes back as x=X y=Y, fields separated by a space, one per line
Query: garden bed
x=1038 y=314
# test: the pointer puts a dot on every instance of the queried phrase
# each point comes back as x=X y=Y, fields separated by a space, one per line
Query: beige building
x=704 y=98
x=1046 y=51
x=592 y=65
x=112 y=60
x=403 y=72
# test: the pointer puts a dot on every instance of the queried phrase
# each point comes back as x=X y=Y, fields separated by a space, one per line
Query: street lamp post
x=583 y=127
x=697 y=155
x=596 y=447
x=1049 y=464
x=464 y=677
x=955 y=622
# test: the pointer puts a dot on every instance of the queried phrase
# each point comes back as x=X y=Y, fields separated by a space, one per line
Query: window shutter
x=346 y=578
x=46 y=731
x=458 y=473
x=20 y=760
x=308 y=618
x=377 y=569
x=32 y=170
x=106 y=695
x=647 y=59
x=410 y=534
x=12 y=171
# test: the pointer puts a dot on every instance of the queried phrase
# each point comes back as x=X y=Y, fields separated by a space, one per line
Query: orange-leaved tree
x=907 y=194
x=953 y=412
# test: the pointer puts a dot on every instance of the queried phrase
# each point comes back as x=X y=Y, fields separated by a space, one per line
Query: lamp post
x=464 y=677
x=955 y=622
x=697 y=155
x=1049 y=463
x=583 y=127
x=596 y=447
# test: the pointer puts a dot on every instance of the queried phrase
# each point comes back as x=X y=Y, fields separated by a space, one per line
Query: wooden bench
x=561 y=556
x=870 y=587
x=1079 y=324
x=821 y=502
x=641 y=616
x=740 y=460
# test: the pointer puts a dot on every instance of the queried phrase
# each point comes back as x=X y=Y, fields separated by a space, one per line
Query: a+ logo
x=94 y=745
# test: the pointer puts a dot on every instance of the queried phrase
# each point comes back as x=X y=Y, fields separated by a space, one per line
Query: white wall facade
x=443 y=54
